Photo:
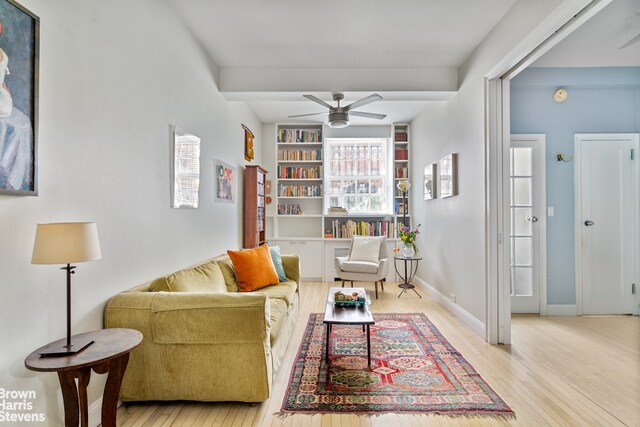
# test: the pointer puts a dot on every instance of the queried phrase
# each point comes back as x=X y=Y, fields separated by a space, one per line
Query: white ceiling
x=341 y=34
x=271 y=52
x=597 y=42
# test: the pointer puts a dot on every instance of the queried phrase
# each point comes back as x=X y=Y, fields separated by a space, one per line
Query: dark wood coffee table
x=109 y=353
x=350 y=315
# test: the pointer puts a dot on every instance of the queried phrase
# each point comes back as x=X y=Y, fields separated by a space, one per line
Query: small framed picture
x=225 y=176
x=430 y=182
x=448 y=176
x=186 y=169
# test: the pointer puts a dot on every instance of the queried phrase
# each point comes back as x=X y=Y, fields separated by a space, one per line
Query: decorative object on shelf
x=186 y=169
x=225 y=182
x=408 y=237
x=248 y=144
x=448 y=176
x=430 y=182
x=561 y=157
x=19 y=32
x=66 y=243
x=339 y=116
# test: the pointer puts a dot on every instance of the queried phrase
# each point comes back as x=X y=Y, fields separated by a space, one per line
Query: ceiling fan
x=339 y=116
x=633 y=21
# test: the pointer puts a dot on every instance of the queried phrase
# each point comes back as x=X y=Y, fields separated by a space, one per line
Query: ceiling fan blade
x=367 y=115
x=303 y=115
x=318 y=100
x=634 y=40
x=364 y=101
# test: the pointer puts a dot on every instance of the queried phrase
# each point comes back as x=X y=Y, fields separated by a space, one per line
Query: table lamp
x=65 y=243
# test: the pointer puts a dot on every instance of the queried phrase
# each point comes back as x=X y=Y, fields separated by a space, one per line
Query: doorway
x=607 y=210
x=527 y=224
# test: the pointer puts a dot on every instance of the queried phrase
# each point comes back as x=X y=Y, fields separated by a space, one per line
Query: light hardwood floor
x=559 y=371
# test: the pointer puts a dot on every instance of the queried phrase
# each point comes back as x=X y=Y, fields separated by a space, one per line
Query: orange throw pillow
x=254 y=268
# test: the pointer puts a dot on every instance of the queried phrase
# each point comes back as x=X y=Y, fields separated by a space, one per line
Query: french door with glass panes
x=527 y=234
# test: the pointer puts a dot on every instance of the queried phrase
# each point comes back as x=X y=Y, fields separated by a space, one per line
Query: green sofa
x=216 y=344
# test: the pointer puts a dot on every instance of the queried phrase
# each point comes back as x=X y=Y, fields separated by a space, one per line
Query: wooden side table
x=109 y=353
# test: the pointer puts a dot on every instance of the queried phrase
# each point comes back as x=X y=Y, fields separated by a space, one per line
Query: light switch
x=550 y=211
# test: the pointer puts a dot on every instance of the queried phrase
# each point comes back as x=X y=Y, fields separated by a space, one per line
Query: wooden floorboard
x=559 y=371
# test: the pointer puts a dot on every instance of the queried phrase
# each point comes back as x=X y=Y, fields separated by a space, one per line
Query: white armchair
x=363 y=265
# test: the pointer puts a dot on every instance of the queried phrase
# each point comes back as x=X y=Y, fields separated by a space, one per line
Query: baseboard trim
x=467 y=318
x=562 y=310
x=95 y=413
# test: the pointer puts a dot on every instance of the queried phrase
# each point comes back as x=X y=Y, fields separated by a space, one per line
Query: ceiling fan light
x=339 y=123
x=338 y=119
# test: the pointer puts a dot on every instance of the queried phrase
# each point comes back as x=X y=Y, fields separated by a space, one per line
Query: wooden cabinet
x=254 y=206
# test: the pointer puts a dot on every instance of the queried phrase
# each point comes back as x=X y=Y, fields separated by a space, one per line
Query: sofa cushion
x=277 y=317
x=365 y=248
x=359 y=267
x=284 y=291
x=229 y=273
x=254 y=268
x=277 y=262
x=205 y=277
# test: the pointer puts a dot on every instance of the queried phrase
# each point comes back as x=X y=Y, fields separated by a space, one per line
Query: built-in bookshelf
x=299 y=181
x=400 y=135
x=343 y=227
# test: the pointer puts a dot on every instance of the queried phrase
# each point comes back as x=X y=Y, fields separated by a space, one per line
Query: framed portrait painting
x=19 y=51
x=225 y=176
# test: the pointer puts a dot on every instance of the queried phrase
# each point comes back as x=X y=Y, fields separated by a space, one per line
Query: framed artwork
x=19 y=56
x=225 y=176
x=448 y=176
x=430 y=182
x=248 y=144
x=186 y=170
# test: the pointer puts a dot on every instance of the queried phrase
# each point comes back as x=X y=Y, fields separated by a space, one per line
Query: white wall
x=453 y=232
x=113 y=76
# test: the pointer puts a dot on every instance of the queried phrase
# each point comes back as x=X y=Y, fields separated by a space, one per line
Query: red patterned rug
x=413 y=369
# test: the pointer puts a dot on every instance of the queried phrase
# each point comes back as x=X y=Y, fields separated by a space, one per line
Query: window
x=357 y=175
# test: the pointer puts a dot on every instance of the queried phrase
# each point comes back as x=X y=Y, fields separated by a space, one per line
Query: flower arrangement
x=408 y=236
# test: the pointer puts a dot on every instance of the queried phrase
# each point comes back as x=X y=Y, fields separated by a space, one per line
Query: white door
x=607 y=181
x=528 y=224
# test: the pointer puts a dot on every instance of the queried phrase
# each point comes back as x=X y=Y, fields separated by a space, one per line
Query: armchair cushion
x=365 y=249
x=360 y=267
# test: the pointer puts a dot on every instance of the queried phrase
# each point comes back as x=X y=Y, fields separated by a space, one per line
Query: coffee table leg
x=326 y=348
x=369 y=344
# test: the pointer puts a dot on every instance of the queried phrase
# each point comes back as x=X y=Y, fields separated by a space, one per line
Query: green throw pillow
x=277 y=262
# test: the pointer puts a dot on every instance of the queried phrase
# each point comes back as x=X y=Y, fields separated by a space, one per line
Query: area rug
x=413 y=369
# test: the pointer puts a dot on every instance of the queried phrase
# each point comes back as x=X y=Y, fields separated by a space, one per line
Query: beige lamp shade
x=66 y=242
x=404 y=185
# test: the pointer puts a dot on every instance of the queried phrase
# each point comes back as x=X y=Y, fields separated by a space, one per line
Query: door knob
x=532 y=219
x=588 y=223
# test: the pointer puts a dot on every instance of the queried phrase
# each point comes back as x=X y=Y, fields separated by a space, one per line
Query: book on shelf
x=402 y=172
x=299 y=135
x=402 y=154
x=400 y=136
x=341 y=229
x=300 y=155
x=337 y=210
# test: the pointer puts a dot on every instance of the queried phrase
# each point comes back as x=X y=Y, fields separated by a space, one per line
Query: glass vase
x=407 y=250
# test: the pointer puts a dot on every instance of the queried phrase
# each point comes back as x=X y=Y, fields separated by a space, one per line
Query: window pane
x=521 y=226
x=360 y=168
x=523 y=285
x=522 y=191
x=522 y=161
